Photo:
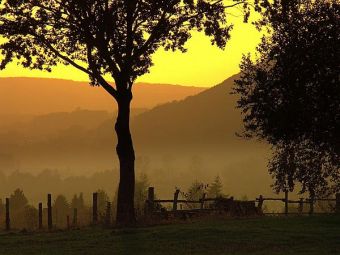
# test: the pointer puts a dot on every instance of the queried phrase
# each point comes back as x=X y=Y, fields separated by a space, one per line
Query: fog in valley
x=64 y=142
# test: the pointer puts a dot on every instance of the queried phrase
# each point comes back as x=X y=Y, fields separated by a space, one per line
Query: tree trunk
x=125 y=202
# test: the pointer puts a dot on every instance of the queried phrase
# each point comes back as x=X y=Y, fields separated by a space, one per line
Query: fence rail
x=311 y=202
x=260 y=200
x=151 y=206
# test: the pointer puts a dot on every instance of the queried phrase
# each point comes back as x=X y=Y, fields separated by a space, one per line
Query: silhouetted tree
x=78 y=202
x=31 y=217
x=17 y=204
x=290 y=95
x=18 y=201
x=195 y=192
x=61 y=209
x=103 y=198
x=215 y=189
x=141 y=192
x=292 y=90
x=108 y=38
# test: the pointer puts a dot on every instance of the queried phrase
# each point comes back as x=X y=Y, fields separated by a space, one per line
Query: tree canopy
x=300 y=162
x=114 y=37
x=292 y=90
x=290 y=93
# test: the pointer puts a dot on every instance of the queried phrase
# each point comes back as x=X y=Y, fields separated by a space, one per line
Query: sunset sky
x=203 y=65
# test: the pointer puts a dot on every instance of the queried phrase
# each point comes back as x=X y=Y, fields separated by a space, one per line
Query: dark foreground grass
x=269 y=235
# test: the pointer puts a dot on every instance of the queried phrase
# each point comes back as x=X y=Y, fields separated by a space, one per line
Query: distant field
x=270 y=235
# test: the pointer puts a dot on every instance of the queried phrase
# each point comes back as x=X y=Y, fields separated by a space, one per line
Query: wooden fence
x=202 y=205
x=152 y=202
x=151 y=207
x=301 y=203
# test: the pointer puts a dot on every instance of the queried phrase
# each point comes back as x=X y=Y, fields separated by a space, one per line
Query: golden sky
x=203 y=65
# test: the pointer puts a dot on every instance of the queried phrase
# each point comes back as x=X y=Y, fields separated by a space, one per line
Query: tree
x=103 y=198
x=195 y=192
x=108 y=38
x=78 y=202
x=18 y=201
x=141 y=192
x=292 y=90
x=31 y=217
x=301 y=162
x=215 y=189
x=61 y=209
x=290 y=95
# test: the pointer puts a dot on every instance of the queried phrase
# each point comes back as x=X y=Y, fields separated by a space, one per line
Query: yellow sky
x=203 y=64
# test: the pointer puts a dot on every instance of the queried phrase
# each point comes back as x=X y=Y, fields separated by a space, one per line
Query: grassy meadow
x=315 y=235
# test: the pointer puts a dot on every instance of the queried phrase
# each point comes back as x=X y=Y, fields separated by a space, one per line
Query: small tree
x=78 y=202
x=215 y=189
x=61 y=209
x=17 y=204
x=108 y=38
x=141 y=192
x=18 y=201
x=195 y=192
x=103 y=198
x=31 y=217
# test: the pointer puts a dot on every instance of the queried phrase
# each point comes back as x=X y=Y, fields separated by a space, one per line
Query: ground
x=315 y=235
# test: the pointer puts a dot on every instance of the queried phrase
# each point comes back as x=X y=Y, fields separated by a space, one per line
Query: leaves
x=100 y=37
x=290 y=95
x=293 y=88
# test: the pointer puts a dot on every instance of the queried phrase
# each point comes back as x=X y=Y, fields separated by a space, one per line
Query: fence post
x=75 y=217
x=49 y=211
x=337 y=203
x=202 y=201
x=301 y=206
x=8 y=221
x=151 y=199
x=95 y=208
x=40 y=216
x=174 y=206
x=260 y=203
x=108 y=214
x=286 y=202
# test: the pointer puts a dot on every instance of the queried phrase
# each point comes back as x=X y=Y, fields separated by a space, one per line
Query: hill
x=207 y=119
x=33 y=96
x=177 y=142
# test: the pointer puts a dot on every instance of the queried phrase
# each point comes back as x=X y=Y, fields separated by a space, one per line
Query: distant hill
x=207 y=119
x=176 y=143
x=27 y=96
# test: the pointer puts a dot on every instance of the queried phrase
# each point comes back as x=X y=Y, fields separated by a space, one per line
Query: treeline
x=50 y=181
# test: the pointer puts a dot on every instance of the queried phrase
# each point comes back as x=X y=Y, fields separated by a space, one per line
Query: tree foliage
x=292 y=90
x=301 y=162
x=61 y=209
x=215 y=189
x=78 y=202
x=290 y=94
x=114 y=37
x=109 y=38
x=18 y=201
x=141 y=192
x=103 y=198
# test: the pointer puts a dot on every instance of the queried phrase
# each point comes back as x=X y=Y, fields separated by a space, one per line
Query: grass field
x=316 y=235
